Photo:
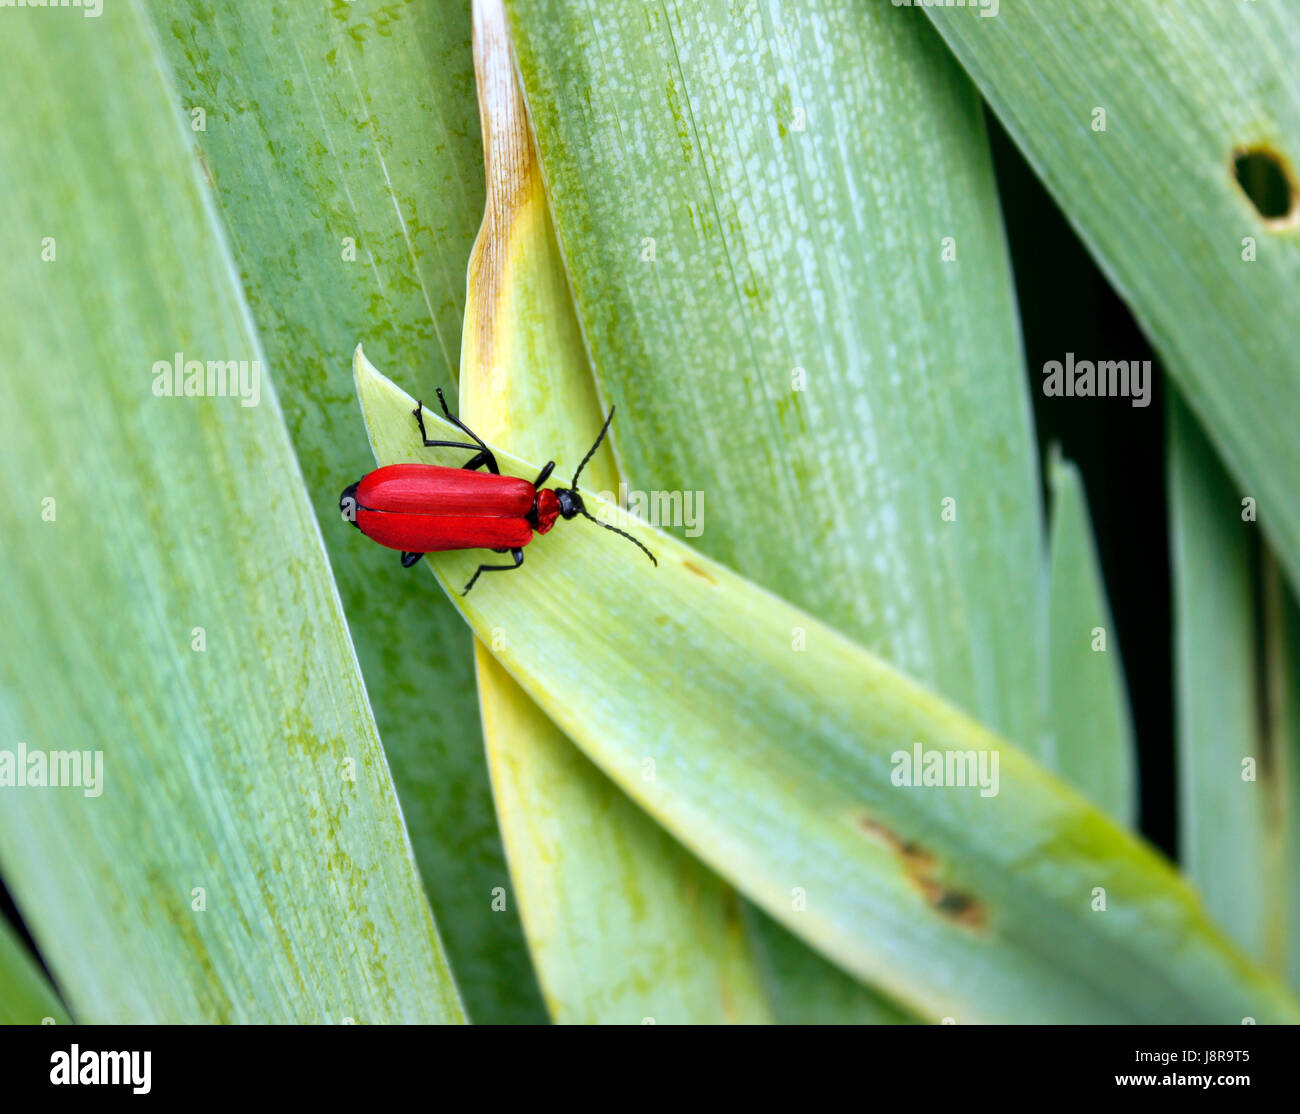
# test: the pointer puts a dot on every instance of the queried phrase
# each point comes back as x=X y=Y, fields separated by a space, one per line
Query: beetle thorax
x=546 y=510
x=560 y=502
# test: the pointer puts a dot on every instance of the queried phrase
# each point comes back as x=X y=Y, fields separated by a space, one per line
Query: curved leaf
x=776 y=742
x=240 y=854
x=623 y=922
x=800 y=349
x=342 y=148
x=754 y=267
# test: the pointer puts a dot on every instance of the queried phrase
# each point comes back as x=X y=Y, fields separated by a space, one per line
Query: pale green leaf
x=1092 y=731
x=776 y=742
x=820 y=249
x=240 y=855
x=341 y=144
x=793 y=329
x=623 y=923
x=1236 y=651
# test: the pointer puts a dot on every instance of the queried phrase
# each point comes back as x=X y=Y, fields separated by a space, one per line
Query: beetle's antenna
x=586 y=513
x=592 y=452
x=605 y=525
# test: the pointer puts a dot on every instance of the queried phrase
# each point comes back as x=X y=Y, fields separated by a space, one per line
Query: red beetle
x=426 y=508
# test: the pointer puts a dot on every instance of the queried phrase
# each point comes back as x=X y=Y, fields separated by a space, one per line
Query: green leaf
x=776 y=765
x=342 y=146
x=777 y=248
x=1155 y=197
x=807 y=360
x=240 y=854
x=1090 y=716
x=1237 y=649
x=623 y=922
x=26 y=997
x=804 y=988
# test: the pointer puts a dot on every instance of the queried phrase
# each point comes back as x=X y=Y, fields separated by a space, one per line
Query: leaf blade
x=623 y=923
x=224 y=867
x=351 y=196
x=807 y=789
x=788 y=293
x=1238 y=725
x=1155 y=198
x=779 y=250
x=26 y=996
x=1090 y=714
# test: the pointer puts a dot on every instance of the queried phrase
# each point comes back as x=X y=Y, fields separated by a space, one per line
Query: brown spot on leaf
x=872 y=826
x=207 y=170
x=954 y=904
x=919 y=865
x=691 y=566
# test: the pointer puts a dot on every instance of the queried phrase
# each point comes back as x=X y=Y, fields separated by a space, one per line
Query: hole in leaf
x=1266 y=180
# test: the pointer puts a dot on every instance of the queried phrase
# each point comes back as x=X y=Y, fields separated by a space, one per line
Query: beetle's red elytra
x=427 y=508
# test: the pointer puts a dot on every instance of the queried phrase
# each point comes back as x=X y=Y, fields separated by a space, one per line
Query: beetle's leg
x=429 y=442
x=488 y=458
x=482 y=456
x=517 y=554
x=409 y=559
x=544 y=474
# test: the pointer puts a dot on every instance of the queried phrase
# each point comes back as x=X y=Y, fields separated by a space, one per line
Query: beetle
x=429 y=508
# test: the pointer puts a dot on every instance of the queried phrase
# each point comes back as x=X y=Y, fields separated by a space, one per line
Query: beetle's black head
x=570 y=502
x=348 y=504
